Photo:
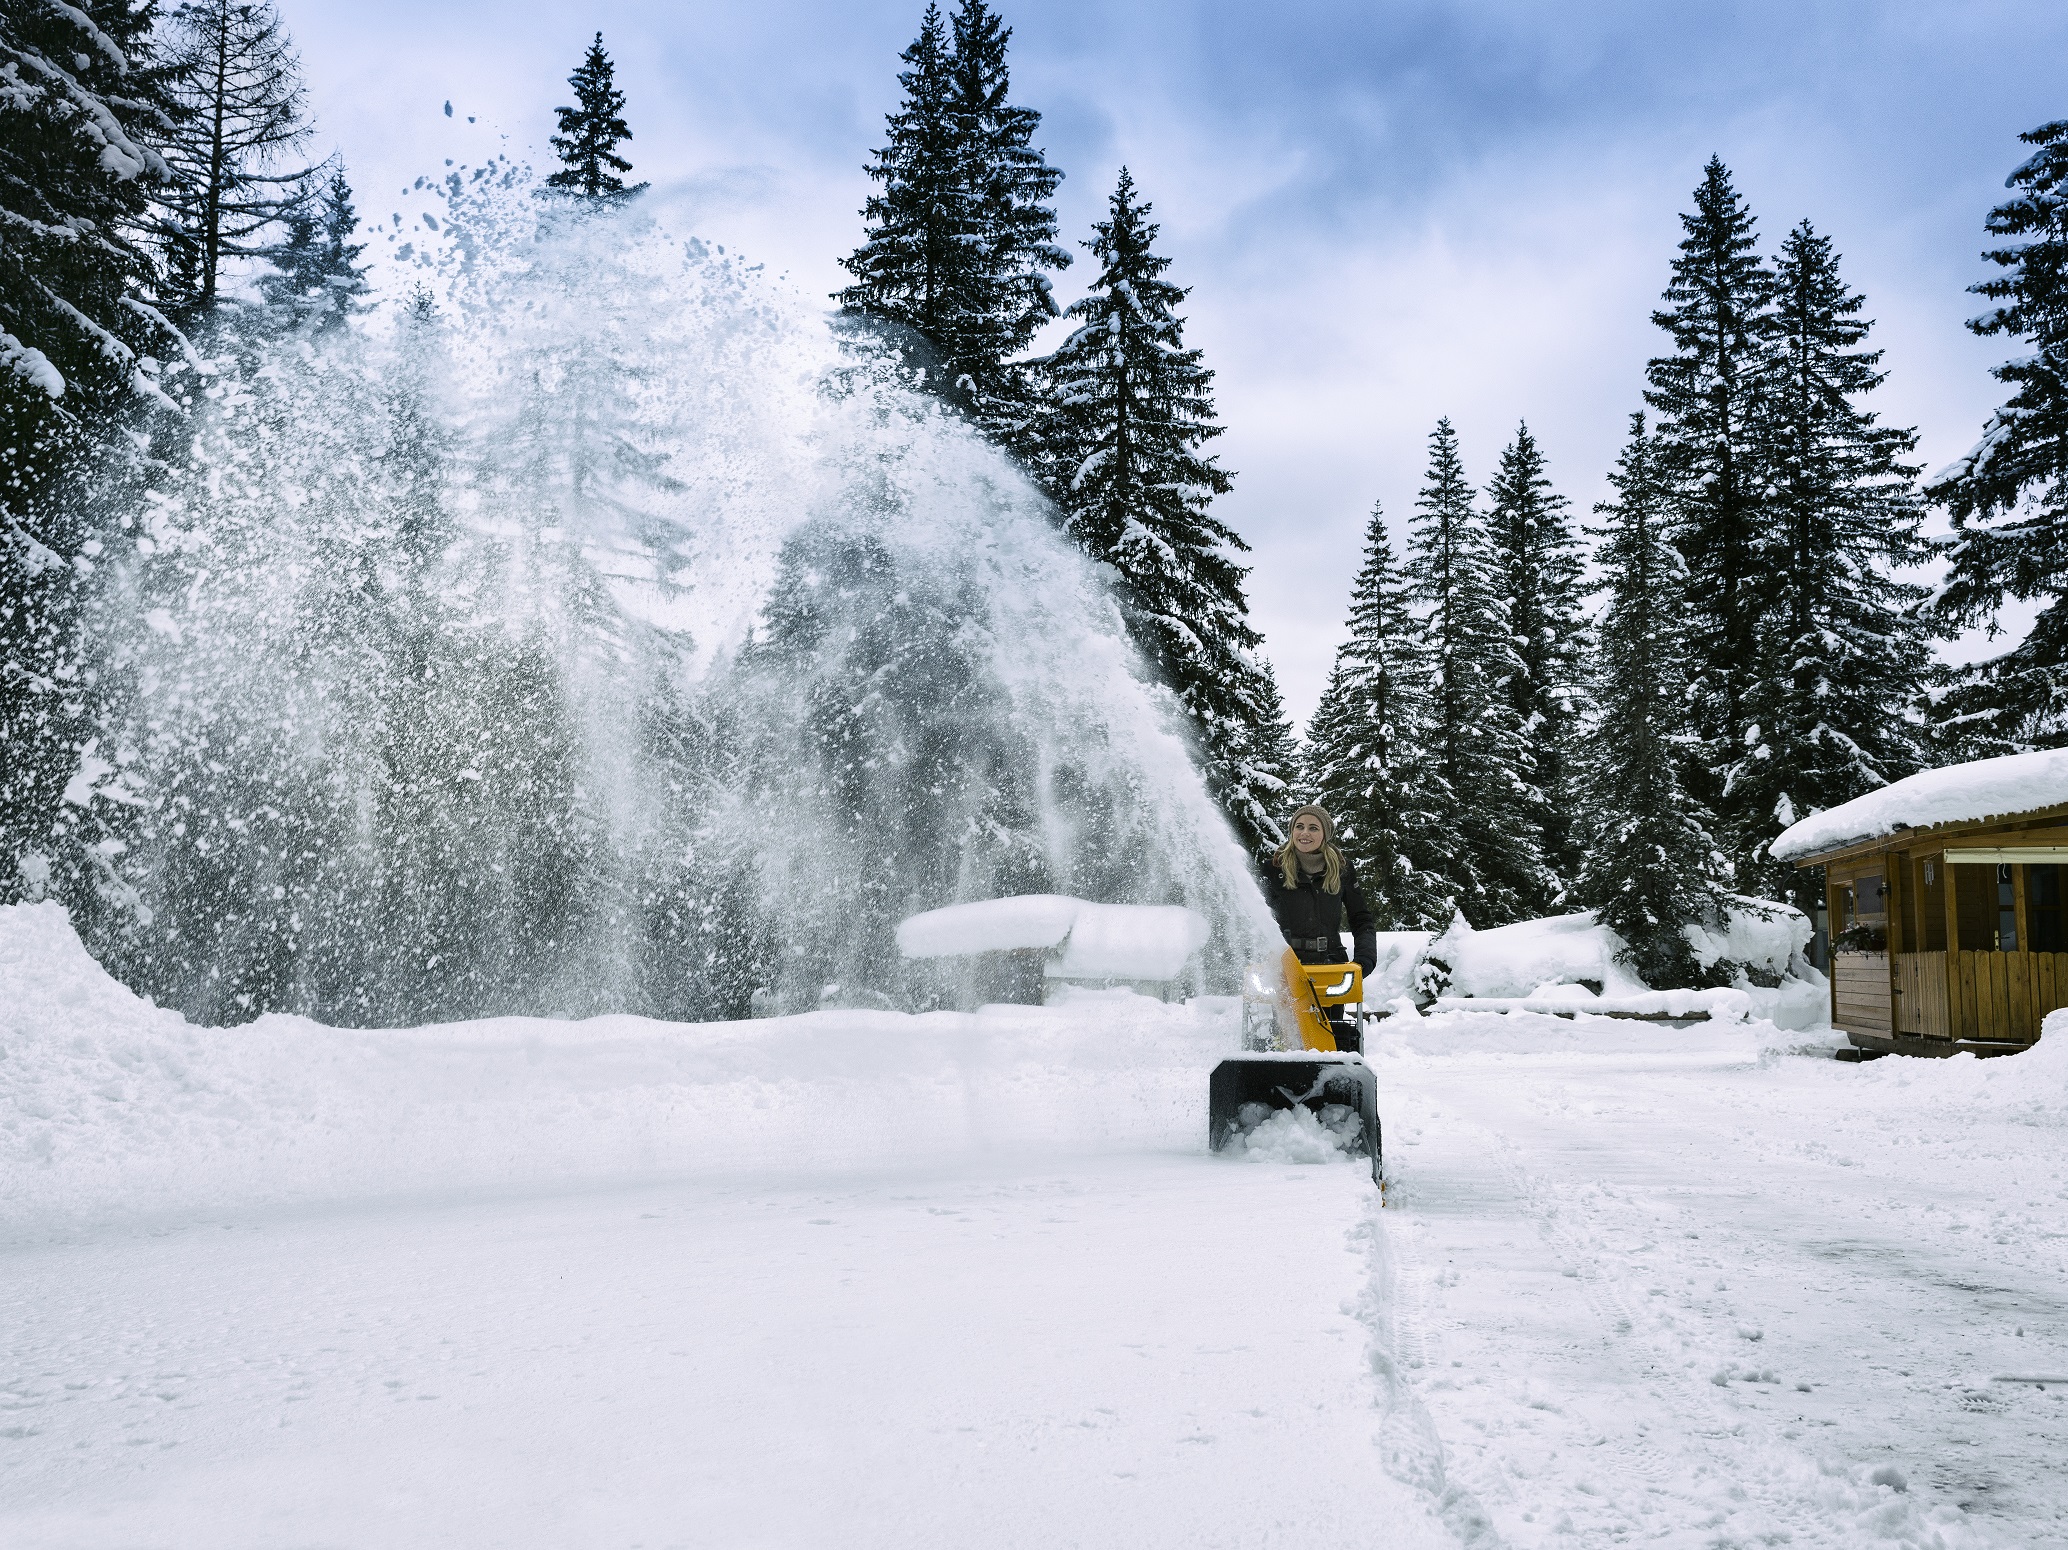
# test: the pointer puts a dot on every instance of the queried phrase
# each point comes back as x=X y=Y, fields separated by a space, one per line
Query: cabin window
x=1870 y=898
x=2006 y=911
x=2043 y=909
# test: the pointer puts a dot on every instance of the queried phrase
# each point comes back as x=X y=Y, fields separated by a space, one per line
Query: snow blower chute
x=1290 y=1059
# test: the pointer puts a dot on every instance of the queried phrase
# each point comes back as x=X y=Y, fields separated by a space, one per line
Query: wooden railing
x=1992 y=997
x=1860 y=991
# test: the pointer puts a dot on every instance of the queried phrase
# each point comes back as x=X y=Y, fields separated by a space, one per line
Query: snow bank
x=1721 y=1005
x=1467 y=1029
x=111 y=1106
x=1399 y=957
x=1098 y=941
x=1959 y=793
x=1516 y=960
x=1759 y=932
x=1565 y=964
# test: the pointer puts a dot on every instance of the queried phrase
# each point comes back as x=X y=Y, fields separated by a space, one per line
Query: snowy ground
x=871 y=1280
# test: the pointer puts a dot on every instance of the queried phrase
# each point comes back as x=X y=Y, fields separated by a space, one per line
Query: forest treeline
x=1531 y=708
x=1507 y=729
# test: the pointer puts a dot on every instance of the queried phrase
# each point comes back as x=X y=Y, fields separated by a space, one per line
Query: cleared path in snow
x=1146 y=1350
x=1697 y=1299
x=962 y=1281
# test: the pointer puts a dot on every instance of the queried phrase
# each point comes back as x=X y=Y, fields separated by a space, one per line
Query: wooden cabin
x=1945 y=897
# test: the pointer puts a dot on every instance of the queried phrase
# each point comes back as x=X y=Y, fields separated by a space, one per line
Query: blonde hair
x=1331 y=859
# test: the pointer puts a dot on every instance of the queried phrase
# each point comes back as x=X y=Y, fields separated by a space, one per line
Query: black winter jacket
x=1304 y=911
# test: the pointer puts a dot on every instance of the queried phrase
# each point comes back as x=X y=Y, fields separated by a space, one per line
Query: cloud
x=1386 y=212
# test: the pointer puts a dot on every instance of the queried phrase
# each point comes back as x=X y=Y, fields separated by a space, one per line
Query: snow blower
x=1290 y=1059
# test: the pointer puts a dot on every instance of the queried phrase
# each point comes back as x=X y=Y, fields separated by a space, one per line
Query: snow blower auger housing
x=1290 y=1059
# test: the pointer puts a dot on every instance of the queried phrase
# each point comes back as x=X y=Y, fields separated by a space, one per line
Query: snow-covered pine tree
x=241 y=120
x=1364 y=757
x=84 y=108
x=1000 y=297
x=1267 y=764
x=901 y=791
x=1494 y=862
x=1126 y=411
x=1541 y=576
x=591 y=131
x=960 y=239
x=1650 y=867
x=1845 y=648
x=317 y=281
x=2008 y=497
x=1719 y=313
x=913 y=221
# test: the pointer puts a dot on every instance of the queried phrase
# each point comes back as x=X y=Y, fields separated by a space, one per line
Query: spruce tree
x=1494 y=862
x=1365 y=759
x=241 y=120
x=961 y=238
x=904 y=266
x=2008 y=497
x=1541 y=577
x=591 y=131
x=317 y=281
x=1650 y=868
x=85 y=107
x=1266 y=762
x=1003 y=296
x=1718 y=312
x=1845 y=651
x=1128 y=408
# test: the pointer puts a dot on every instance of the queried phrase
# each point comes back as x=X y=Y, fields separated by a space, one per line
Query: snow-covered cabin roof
x=1959 y=793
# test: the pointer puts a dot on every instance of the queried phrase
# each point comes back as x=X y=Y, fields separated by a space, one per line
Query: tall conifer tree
x=87 y=102
x=1541 y=577
x=1719 y=313
x=591 y=132
x=1005 y=293
x=1651 y=868
x=961 y=238
x=1365 y=758
x=1845 y=652
x=318 y=281
x=905 y=266
x=241 y=123
x=2009 y=496
x=1496 y=864
x=1126 y=414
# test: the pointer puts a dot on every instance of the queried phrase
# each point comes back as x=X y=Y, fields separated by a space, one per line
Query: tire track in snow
x=1628 y=1439
x=1394 y=1308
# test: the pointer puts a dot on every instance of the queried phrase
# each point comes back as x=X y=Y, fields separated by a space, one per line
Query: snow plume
x=595 y=630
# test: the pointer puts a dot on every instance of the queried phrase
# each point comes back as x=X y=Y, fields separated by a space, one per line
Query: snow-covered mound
x=1572 y=963
x=1959 y=793
x=109 y=1104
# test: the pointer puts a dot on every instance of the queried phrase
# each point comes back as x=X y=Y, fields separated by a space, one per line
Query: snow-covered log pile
x=1959 y=793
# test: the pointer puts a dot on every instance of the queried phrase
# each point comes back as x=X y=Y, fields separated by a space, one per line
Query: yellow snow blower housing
x=1290 y=1059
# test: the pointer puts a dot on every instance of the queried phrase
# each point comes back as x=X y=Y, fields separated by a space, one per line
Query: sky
x=1386 y=212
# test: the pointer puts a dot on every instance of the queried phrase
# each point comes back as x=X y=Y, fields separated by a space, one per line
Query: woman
x=1313 y=891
